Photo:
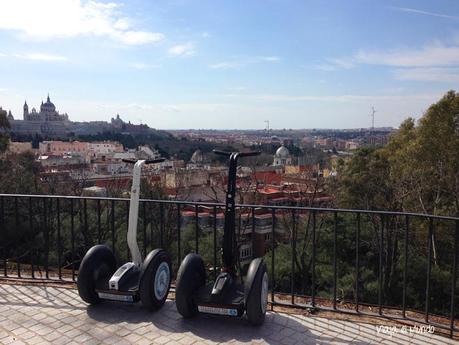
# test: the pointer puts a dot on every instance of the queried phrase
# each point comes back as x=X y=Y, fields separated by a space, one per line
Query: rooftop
x=44 y=314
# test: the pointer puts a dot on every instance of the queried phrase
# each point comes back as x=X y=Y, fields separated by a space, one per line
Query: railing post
x=16 y=224
x=405 y=264
x=215 y=242
x=152 y=235
x=99 y=227
x=144 y=228
x=179 y=235
x=381 y=258
x=59 y=244
x=357 y=263
x=127 y=230
x=313 y=277
x=112 y=206
x=46 y=234
x=273 y=249
x=429 y=269
x=252 y=236
x=2 y=222
x=85 y=220
x=72 y=238
x=335 y=230
x=293 y=243
x=454 y=276
x=196 y=228
x=32 y=230
x=161 y=225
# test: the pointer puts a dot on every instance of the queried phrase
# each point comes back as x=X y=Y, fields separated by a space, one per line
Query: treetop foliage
x=417 y=171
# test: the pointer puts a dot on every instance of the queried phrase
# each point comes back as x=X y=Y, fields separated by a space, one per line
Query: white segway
x=148 y=281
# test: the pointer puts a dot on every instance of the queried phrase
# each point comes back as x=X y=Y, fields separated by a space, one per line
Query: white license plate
x=115 y=297
x=218 y=311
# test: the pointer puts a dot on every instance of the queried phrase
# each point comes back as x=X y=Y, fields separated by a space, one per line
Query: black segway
x=147 y=281
x=226 y=296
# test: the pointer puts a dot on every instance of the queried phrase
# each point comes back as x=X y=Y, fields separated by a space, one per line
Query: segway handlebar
x=240 y=154
x=148 y=161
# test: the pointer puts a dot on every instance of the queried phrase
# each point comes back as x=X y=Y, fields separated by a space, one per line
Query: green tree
x=4 y=126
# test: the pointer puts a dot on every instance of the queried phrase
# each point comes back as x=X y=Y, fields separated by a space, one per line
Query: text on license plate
x=219 y=311
x=115 y=297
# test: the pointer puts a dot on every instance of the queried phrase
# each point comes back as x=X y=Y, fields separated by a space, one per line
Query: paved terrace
x=42 y=314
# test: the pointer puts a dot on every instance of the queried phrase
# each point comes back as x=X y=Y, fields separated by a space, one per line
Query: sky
x=182 y=64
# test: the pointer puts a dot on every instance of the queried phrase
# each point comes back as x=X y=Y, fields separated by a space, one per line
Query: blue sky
x=230 y=64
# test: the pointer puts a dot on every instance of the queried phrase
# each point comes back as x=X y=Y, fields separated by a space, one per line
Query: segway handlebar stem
x=134 y=214
x=229 y=234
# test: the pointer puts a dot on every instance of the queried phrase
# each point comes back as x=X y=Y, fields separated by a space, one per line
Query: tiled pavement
x=44 y=314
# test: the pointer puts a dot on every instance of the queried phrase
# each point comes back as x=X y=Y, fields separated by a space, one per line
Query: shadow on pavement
x=277 y=329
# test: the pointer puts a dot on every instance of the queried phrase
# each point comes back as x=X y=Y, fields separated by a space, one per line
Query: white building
x=282 y=157
x=104 y=148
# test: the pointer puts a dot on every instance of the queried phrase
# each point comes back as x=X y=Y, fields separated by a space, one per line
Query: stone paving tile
x=48 y=315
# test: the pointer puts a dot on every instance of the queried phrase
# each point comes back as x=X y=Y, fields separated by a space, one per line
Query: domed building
x=282 y=156
x=47 y=113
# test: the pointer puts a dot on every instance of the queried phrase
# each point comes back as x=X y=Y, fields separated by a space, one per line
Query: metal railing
x=388 y=264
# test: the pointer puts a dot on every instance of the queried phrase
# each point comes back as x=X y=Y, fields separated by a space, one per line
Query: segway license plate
x=116 y=297
x=217 y=311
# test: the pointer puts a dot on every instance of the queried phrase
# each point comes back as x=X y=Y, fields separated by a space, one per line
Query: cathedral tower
x=26 y=111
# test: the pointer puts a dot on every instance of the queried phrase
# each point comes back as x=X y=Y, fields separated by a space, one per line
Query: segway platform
x=229 y=304
x=123 y=286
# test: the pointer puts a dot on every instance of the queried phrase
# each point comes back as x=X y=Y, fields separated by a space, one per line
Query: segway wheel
x=257 y=292
x=98 y=264
x=155 y=279
x=191 y=276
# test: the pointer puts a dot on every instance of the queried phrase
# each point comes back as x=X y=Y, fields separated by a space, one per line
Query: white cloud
x=431 y=55
x=238 y=62
x=237 y=88
x=226 y=65
x=426 y=13
x=142 y=65
x=41 y=57
x=269 y=58
x=428 y=74
x=186 y=49
x=326 y=67
x=50 y=19
x=331 y=98
x=436 y=54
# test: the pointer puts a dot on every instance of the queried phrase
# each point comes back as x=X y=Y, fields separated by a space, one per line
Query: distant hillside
x=163 y=141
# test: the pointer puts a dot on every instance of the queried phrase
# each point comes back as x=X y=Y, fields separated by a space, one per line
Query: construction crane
x=267 y=126
x=373 y=111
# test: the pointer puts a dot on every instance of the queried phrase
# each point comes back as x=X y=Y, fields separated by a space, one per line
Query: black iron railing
x=390 y=264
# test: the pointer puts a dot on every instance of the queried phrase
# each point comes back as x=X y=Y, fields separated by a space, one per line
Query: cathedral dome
x=48 y=106
x=282 y=152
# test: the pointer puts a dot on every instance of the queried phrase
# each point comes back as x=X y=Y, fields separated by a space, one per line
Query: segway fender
x=147 y=260
x=251 y=274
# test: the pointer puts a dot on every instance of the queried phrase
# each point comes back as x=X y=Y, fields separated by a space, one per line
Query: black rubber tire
x=191 y=276
x=151 y=264
x=255 y=310
x=98 y=263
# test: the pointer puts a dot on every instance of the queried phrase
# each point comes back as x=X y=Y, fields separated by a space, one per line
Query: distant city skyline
x=230 y=65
